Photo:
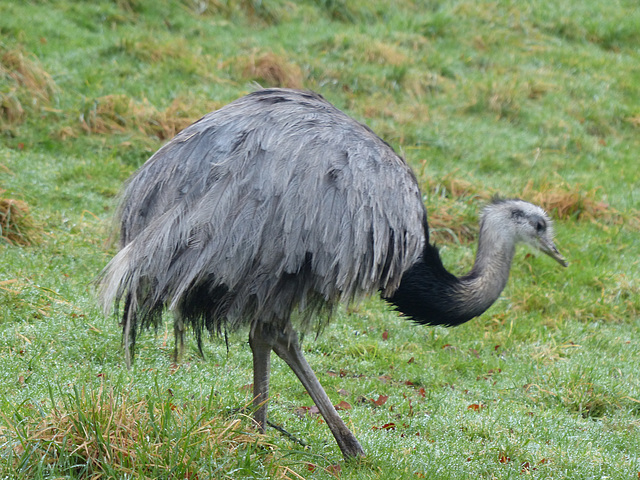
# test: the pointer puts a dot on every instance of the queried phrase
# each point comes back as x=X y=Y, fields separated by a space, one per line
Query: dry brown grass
x=447 y=226
x=384 y=53
x=269 y=69
x=150 y=49
x=448 y=220
x=11 y=109
x=17 y=227
x=378 y=109
x=119 y=114
x=104 y=433
x=499 y=97
x=255 y=12
x=30 y=86
x=454 y=187
x=566 y=201
x=25 y=70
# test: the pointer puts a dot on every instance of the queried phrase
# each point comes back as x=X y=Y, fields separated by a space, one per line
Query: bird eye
x=540 y=226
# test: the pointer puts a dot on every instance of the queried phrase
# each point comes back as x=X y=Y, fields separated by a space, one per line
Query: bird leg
x=261 y=349
x=287 y=347
x=178 y=332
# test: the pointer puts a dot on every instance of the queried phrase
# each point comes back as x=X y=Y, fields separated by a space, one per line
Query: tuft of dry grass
x=384 y=53
x=446 y=226
x=255 y=11
x=499 y=97
x=11 y=109
x=148 y=49
x=269 y=69
x=120 y=114
x=447 y=220
x=107 y=434
x=17 y=227
x=29 y=84
x=453 y=187
x=382 y=109
x=25 y=71
x=573 y=202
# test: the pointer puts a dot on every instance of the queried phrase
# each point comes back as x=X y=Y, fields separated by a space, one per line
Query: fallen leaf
x=334 y=469
x=503 y=458
x=475 y=407
x=384 y=378
x=311 y=467
x=382 y=399
x=422 y=391
x=385 y=335
x=304 y=410
x=344 y=392
x=389 y=426
x=411 y=360
x=343 y=406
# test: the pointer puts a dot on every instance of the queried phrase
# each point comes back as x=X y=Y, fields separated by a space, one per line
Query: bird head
x=530 y=224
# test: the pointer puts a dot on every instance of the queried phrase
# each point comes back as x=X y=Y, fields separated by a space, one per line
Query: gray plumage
x=247 y=197
x=271 y=210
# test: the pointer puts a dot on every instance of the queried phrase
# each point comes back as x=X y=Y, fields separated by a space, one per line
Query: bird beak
x=548 y=247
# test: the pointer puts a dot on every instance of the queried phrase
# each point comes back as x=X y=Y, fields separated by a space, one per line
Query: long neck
x=429 y=294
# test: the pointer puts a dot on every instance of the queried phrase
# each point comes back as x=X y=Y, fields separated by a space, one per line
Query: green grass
x=538 y=99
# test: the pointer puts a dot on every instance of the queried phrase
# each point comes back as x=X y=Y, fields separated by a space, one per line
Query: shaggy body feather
x=268 y=205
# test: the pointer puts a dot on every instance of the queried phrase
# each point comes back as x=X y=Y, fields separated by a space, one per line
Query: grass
x=537 y=100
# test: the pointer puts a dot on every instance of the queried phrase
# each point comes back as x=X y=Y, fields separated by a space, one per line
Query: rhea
x=268 y=212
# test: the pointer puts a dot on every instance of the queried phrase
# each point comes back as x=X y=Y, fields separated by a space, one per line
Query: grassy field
x=539 y=100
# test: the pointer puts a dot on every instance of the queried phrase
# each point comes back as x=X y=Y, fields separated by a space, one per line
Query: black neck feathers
x=428 y=294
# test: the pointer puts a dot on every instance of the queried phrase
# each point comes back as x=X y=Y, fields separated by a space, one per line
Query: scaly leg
x=178 y=333
x=261 y=370
x=288 y=348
